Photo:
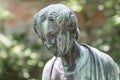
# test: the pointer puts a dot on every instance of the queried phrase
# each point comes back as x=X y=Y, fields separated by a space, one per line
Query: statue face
x=57 y=40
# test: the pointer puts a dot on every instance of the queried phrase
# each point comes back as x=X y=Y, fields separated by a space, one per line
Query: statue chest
x=80 y=74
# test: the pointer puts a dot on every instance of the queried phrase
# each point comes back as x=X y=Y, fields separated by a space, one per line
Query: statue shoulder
x=53 y=69
x=47 y=69
x=103 y=59
x=99 y=54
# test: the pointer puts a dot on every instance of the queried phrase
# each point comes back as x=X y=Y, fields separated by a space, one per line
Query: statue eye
x=51 y=18
x=42 y=18
x=51 y=34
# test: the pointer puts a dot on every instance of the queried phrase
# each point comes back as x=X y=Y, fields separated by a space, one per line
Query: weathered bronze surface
x=57 y=26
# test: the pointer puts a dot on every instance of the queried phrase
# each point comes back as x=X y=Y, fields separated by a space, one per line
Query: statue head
x=57 y=26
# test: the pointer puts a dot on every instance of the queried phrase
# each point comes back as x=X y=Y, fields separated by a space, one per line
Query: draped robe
x=92 y=65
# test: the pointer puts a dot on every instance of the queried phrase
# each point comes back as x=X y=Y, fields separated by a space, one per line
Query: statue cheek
x=64 y=43
x=51 y=44
x=47 y=44
x=61 y=40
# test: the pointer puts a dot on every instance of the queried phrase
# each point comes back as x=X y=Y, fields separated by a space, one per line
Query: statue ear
x=74 y=24
x=77 y=33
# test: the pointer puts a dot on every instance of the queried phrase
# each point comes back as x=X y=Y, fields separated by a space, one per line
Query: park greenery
x=22 y=60
x=18 y=59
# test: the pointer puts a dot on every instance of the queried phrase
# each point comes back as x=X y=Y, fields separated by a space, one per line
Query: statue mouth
x=56 y=52
x=56 y=55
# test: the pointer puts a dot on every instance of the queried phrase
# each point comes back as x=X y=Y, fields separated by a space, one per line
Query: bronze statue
x=57 y=26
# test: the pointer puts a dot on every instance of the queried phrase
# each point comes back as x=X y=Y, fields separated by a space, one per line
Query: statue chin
x=58 y=54
x=55 y=53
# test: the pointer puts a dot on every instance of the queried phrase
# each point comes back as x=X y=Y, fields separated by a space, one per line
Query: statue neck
x=69 y=59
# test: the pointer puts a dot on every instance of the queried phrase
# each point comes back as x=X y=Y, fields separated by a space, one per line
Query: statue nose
x=45 y=27
x=45 y=23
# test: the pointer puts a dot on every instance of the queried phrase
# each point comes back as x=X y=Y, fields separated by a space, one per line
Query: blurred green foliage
x=18 y=58
x=4 y=13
